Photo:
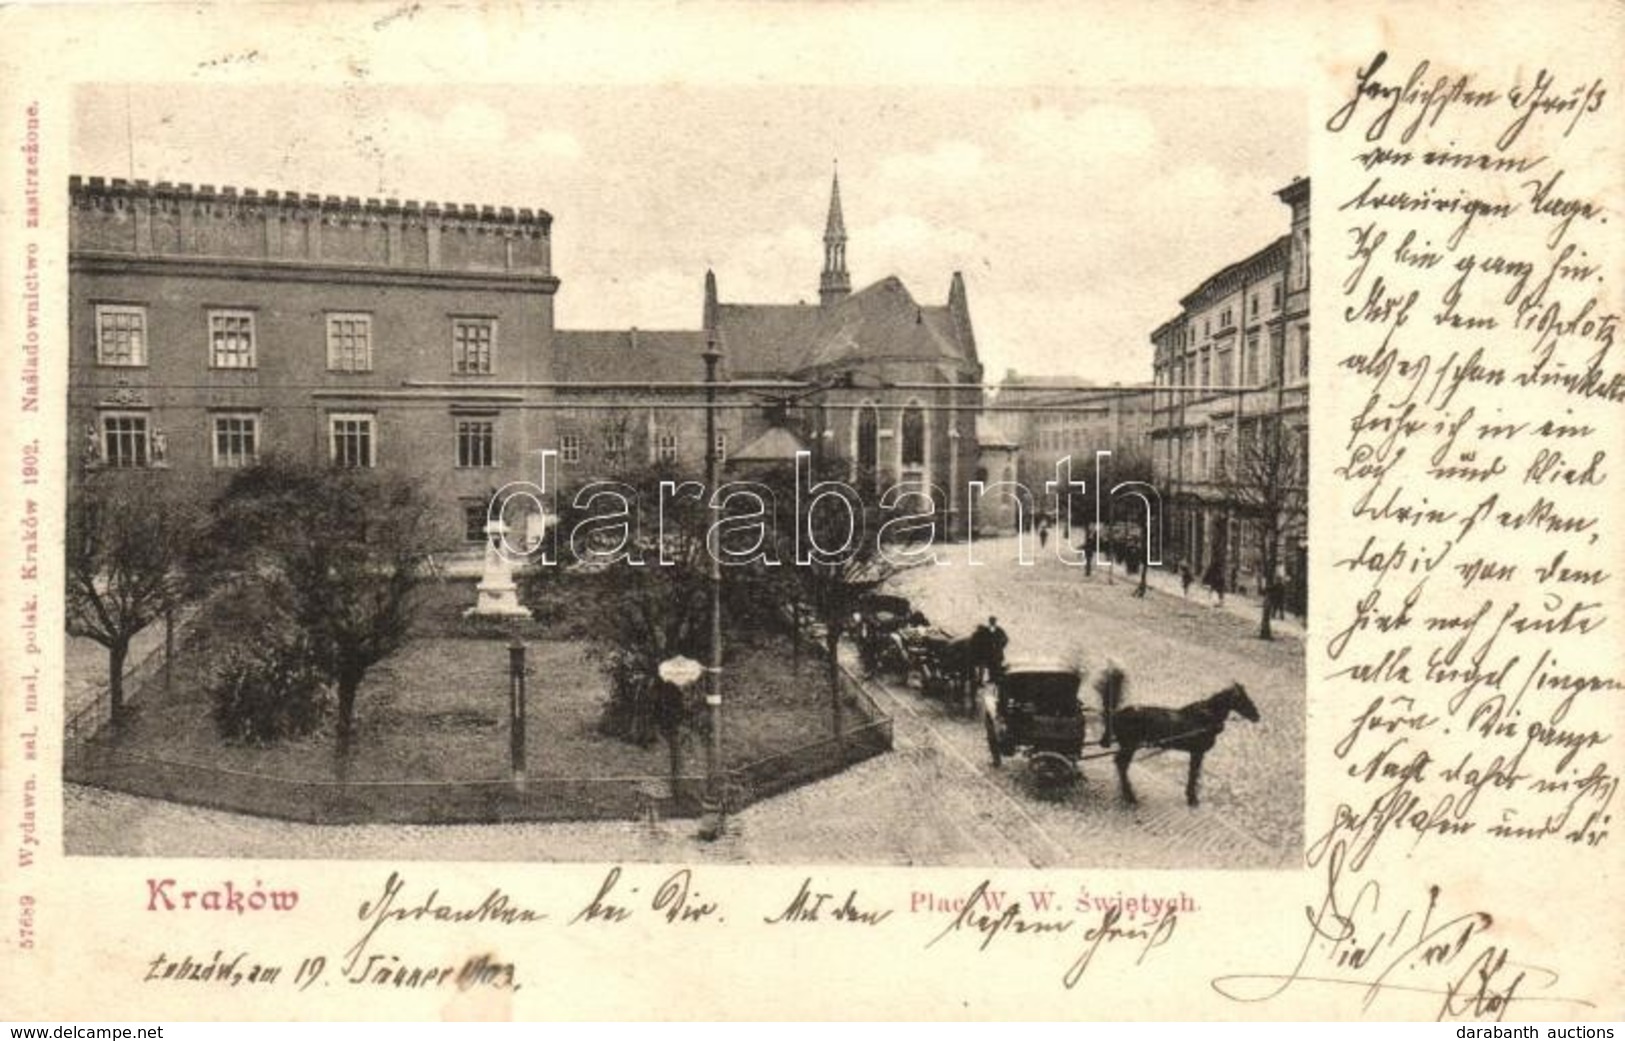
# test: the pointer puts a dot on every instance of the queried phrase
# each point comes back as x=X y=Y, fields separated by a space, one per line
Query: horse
x=1192 y=729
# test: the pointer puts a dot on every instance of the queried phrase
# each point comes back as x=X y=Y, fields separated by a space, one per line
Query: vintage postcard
x=812 y=511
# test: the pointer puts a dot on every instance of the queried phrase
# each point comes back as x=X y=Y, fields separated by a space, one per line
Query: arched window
x=913 y=436
x=868 y=447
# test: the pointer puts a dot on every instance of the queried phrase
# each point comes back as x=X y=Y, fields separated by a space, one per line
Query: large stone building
x=212 y=328
x=1056 y=417
x=1232 y=374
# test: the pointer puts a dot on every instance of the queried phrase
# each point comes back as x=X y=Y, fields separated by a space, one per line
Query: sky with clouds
x=1078 y=216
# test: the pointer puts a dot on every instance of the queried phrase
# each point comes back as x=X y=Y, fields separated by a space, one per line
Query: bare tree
x=127 y=543
x=1266 y=484
x=829 y=587
x=344 y=550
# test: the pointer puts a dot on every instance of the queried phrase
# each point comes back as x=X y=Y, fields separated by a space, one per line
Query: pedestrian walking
x=981 y=654
x=1213 y=578
x=998 y=640
x=1185 y=578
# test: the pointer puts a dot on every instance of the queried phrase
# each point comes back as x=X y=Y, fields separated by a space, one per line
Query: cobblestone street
x=936 y=799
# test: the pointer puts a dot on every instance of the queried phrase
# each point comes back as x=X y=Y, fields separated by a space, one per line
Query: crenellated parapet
x=168 y=220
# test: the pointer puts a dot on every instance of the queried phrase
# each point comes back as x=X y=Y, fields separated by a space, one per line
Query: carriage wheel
x=993 y=743
x=1053 y=770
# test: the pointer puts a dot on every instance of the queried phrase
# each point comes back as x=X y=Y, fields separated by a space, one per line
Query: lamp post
x=712 y=828
x=516 y=710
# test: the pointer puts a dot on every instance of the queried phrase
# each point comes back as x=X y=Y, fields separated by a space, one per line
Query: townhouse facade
x=1231 y=374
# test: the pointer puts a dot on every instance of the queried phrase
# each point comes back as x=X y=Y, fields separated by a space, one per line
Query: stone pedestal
x=498 y=595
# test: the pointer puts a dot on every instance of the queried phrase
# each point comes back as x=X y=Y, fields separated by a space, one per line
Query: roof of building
x=774 y=445
x=1229 y=277
x=761 y=338
x=628 y=355
x=880 y=322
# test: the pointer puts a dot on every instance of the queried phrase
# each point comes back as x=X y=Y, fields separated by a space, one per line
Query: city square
x=297 y=418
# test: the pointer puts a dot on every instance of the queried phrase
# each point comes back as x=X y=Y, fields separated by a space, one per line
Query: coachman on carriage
x=1036 y=711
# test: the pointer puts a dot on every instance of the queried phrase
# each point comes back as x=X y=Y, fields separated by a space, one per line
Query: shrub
x=262 y=680
x=268 y=691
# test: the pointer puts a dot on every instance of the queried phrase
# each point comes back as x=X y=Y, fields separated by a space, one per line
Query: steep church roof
x=766 y=338
x=883 y=322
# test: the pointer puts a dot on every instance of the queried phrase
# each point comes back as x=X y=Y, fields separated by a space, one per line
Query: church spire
x=834 y=284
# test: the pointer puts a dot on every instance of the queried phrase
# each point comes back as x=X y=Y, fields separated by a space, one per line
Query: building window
x=474 y=520
x=1252 y=360
x=1226 y=374
x=1303 y=354
x=913 y=436
x=1207 y=369
x=1275 y=296
x=868 y=451
x=236 y=441
x=1252 y=306
x=349 y=343
x=351 y=441
x=570 y=449
x=614 y=448
x=121 y=335
x=476 y=442
x=125 y=441
x=231 y=339
x=665 y=447
x=472 y=343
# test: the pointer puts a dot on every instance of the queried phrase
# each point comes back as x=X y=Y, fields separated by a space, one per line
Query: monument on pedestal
x=498 y=596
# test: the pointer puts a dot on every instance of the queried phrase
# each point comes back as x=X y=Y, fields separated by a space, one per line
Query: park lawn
x=438 y=710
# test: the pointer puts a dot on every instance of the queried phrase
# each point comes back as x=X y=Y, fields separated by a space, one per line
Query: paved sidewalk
x=1242 y=605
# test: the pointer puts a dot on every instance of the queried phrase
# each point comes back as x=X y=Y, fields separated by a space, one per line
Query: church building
x=896 y=383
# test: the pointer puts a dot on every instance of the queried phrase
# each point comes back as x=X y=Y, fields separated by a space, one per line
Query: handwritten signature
x=1416 y=950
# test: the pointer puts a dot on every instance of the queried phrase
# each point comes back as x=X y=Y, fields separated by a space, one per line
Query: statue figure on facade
x=160 y=447
x=93 y=447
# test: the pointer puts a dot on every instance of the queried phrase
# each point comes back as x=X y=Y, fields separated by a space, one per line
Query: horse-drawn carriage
x=943 y=663
x=879 y=617
x=1036 y=711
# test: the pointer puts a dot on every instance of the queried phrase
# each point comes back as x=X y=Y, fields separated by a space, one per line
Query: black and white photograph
x=643 y=474
x=823 y=510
